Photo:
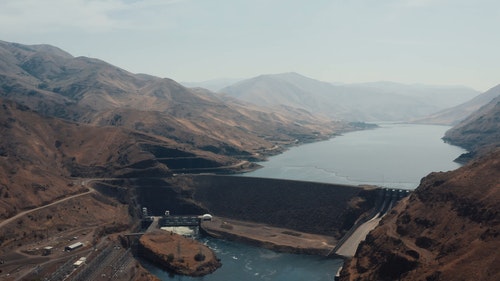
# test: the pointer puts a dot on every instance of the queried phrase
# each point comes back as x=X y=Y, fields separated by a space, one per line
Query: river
x=394 y=155
x=247 y=263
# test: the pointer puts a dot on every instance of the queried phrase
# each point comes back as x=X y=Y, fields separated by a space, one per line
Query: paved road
x=11 y=219
x=348 y=249
x=349 y=246
x=154 y=225
x=193 y=170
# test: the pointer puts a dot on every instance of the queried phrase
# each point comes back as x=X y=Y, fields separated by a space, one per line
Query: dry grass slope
x=447 y=230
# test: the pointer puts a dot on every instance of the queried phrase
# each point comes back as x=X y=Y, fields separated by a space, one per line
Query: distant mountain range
x=80 y=89
x=214 y=85
x=379 y=101
x=479 y=133
x=453 y=115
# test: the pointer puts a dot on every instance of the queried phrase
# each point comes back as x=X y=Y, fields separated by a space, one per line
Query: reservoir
x=393 y=155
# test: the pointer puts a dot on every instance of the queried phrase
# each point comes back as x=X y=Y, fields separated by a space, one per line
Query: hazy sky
x=410 y=41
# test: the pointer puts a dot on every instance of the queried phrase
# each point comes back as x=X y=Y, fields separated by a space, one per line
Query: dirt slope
x=447 y=230
x=480 y=132
x=40 y=156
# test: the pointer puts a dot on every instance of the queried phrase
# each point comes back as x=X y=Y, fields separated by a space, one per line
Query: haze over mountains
x=370 y=102
x=54 y=83
x=453 y=115
x=213 y=85
x=64 y=119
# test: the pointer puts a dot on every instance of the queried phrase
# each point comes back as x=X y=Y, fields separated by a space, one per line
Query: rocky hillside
x=80 y=89
x=447 y=230
x=39 y=156
x=480 y=132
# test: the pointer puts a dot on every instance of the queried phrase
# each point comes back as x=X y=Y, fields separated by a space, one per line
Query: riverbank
x=272 y=238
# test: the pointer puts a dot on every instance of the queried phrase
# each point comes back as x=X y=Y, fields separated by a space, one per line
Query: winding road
x=11 y=219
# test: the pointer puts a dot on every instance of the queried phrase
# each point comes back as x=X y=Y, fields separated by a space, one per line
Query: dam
x=317 y=208
x=329 y=210
x=296 y=207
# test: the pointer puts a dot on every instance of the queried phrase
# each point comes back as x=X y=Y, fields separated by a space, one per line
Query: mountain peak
x=288 y=76
x=32 y=49
x=372 y=102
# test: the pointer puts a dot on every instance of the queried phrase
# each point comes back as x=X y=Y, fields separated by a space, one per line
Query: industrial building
x=73 y=246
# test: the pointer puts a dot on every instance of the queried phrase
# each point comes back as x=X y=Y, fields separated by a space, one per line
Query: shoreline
x=177 y=254
x=268 y=237
x=278 y=149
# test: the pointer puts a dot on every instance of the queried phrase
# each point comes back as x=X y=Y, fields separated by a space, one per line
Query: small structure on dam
x=183 y=225
x=206 y=217
x=169 y=220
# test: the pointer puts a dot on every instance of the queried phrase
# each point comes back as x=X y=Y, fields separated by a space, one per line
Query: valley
x=367 y=102
x=86 y=145
x=68 y=124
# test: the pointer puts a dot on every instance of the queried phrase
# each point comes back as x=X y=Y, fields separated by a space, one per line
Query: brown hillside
x=447 y=230
x=87 y=90
x=43 y=200
x=38 y=155
x=480 y=132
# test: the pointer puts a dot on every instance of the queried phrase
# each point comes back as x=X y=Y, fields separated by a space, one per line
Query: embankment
x=265 y=236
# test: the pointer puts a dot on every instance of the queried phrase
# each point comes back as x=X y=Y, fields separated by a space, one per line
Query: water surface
x=246 y=263
x=394 y=155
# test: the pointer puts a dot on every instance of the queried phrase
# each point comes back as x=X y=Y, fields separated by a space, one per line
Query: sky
x=439 y=42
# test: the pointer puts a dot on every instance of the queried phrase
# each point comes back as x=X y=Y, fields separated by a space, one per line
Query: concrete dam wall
x=303 y=206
